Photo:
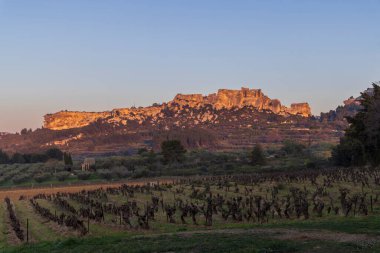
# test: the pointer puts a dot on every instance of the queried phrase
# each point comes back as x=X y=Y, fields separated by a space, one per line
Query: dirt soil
x=15 y=193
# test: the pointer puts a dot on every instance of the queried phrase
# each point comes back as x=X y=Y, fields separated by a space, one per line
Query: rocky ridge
x=224 y=99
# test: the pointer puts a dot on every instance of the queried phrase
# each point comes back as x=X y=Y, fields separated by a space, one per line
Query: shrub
x=54 y=153
x=257 y=156
x=293 y=148
x=105 y=174
x=42 y=177
x=62 y=176
x=21 y=178
x=172 y=151
x=121 y=171
x=84 y=175
x=142 y=173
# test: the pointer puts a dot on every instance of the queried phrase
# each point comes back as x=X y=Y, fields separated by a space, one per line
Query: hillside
x=226 y=120
x=223 y=99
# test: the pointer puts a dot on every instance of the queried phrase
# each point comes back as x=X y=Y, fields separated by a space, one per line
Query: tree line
x=50 y=154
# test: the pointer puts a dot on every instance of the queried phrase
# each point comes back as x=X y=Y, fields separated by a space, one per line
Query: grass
x=37 y=230
x=3 y=226
x=110 y=236
x=218 y=243
x=353 y=225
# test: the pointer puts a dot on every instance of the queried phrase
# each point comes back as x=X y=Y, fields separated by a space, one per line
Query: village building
x=88 y=164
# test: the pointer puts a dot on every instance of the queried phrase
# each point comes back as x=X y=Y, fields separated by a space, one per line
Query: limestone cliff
x=223 y=99
x=68 y=119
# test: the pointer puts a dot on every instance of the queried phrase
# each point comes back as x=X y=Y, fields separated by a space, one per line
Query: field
x=312 y=210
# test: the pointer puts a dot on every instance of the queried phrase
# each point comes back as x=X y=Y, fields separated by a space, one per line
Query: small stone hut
x=88 y=164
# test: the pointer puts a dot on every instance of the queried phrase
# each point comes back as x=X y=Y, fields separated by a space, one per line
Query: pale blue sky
x=97 y=55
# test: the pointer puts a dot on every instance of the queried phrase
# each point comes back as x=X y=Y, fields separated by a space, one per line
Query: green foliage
x=54 y=153
x=142 y=151
x=4 y=158
x=258 y=156
x=21 y=178
x=172 y=151
x=293 y=148
x=83 y=175
x=37 y=158
x=105 y=174
x=349 y=152
x=361 y=143
x=67 y=159
x=17 y=158
x=62 y=176
x=121 y=172
x=39 y=178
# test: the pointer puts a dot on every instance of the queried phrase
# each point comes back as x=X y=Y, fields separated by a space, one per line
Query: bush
x=121 y=172
x=172 y=151
x=62 y=176
x=54 y=153
x=84 y=175
x=293 y=148
x=257 y=156
x=349 y=152
x=21 y=179
x=4 y=158
x=41 y=177
x=142 y=173
x=105 y=174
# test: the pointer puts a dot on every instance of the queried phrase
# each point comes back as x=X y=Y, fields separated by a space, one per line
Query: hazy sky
x=98 y=55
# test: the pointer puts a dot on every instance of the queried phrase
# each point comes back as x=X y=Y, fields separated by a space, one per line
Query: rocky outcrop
x=350 y=108
x=223 y=99
x=300 y=109
x=68 y=119
x=228 y=99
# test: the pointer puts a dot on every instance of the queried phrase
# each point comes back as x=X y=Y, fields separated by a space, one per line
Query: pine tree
x=172 y=151
x=67 y=158
x=257 y=156
x=361 y=143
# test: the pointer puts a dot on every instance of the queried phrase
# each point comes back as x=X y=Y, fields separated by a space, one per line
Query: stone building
x=88 y=164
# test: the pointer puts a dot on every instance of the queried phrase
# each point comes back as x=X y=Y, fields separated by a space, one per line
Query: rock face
x=228 y=99
x=223 y=99
x=67 y=120
x=299 y=108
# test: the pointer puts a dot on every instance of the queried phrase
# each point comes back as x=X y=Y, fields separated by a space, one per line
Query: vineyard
x=193 y=204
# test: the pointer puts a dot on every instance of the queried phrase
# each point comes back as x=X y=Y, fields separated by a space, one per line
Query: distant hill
x=223 y=99
x=349 y=108
x=226 y=120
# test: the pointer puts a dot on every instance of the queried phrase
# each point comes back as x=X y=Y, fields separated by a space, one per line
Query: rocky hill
x=349 y=108
x=226 y=120
x=223 y=99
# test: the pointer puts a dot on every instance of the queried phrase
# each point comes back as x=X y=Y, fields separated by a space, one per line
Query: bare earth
x=15 y=193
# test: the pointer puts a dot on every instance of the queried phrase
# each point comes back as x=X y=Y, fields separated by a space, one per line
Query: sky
x=95 y=55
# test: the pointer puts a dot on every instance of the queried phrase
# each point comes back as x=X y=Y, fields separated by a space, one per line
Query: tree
x=257 y=156
x=18 y=158
x=54 y=153
x=24 y=131
x=68 y=161
x=172 y=151
x=67 y=158
x=293 y=148
x=141 y=151
x=38 y=158
x=350 y=151
x=4 y=158
x=361 y=142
